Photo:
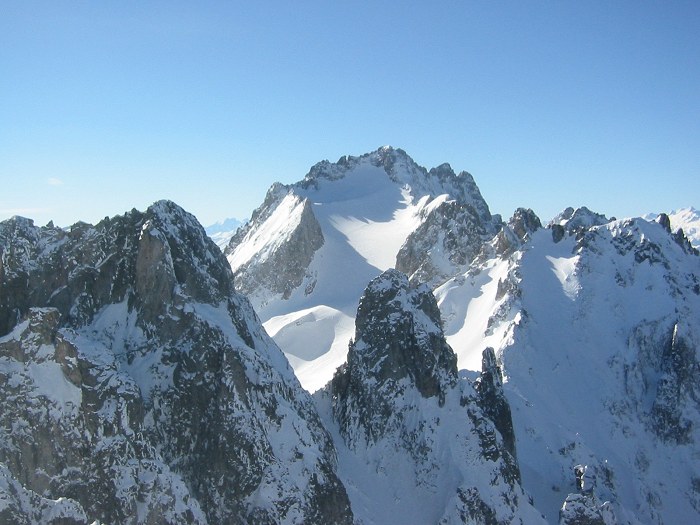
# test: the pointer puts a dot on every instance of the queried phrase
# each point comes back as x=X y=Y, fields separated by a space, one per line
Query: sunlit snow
x=365 y=218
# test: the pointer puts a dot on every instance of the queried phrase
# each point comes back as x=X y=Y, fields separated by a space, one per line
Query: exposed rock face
x=20 y=506
x=664 y=221
x=451 y=233
x=579 y=219
x=664 y=382
x=72 y=436
x=585 y=509
x=399 y=399
x=521 y=225
x=524 y=222
x=558 y=232
x=684 y=242
x=450 y=237
x=398 y=343
x=493 y=401
x=140 y=386
x=464 y=190
x=82 y=270
x=280 y=266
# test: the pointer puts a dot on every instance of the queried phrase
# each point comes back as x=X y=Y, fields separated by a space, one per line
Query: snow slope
x=598 y=336
x=366 y=207
x=468 y=305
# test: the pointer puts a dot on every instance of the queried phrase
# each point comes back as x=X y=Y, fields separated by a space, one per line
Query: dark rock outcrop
x=678 y=387
x=520 y=226
x=399 y=396
x=281 y=267
x=558 y=232
x=577 y=220
x=492 y=400
x=398 y=342
x=664 y=221
x=585 y=509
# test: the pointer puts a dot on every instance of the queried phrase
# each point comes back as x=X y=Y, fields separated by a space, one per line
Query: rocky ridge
x=591 y=322
x=272 y=254
x=400 y=408
x=140 y=388
x=280 y=266
x=450 y=237
x=403 y=170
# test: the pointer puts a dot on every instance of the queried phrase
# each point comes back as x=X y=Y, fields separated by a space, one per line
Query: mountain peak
x=444 y=168
x=580 y=218
x=403 y=412
x=129 y=352
x=404 y=171
x=22 y=222
x=355 y=217
x=388 y=158
x=398 y=336
x=166 y=206
x=166 y=212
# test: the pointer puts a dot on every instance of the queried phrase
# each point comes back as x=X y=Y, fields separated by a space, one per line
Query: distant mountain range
x=447 y=366
x=222 y=231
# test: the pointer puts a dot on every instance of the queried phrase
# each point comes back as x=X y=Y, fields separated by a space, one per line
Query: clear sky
x=110 y=105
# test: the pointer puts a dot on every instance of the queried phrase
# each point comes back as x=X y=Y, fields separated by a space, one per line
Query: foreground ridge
x=138 y=387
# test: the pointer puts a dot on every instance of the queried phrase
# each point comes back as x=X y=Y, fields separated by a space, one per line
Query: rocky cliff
x=417 y=444
x=450 y=237
x=138 y=387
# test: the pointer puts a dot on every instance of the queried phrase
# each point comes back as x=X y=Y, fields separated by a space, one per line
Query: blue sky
x=106 y=106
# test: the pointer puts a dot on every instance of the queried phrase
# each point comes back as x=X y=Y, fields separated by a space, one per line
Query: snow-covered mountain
x=310 y=249
x=138 y=387
x=594 y=323
x=222 y=231
x=509 y=372
x=596 y=326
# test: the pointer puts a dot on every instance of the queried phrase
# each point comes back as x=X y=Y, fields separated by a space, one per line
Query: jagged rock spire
x=398 y=344
x=399 y=398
